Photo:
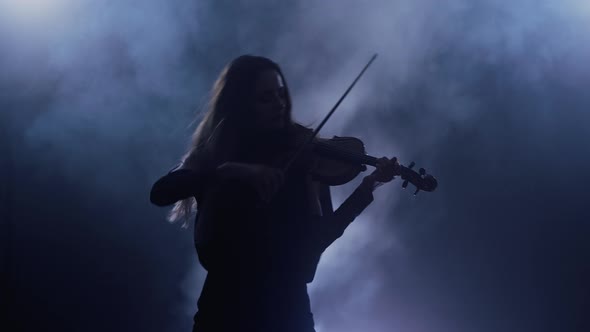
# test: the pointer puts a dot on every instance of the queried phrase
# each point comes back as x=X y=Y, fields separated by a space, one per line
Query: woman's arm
x=182 y=183
x=178 y=184
x=332 y=224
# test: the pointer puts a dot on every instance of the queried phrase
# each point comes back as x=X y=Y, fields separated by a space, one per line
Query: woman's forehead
x=269 y=80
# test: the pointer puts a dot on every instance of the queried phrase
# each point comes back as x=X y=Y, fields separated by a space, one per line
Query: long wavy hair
x=228 y=119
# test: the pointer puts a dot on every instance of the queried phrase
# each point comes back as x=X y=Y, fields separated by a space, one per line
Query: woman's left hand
x=385 y=170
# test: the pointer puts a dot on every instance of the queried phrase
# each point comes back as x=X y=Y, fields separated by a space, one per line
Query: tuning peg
x=422 y=171
x=405 y=184
x=411 y=165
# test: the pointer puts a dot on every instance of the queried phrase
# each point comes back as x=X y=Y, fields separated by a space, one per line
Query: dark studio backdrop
x=98 y=99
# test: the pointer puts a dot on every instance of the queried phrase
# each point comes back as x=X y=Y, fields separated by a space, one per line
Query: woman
x=259 y=231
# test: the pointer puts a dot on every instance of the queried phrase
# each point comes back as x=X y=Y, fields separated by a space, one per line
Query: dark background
x=99 y=98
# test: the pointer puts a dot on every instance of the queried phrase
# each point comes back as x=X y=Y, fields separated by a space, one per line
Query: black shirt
x=259 y=257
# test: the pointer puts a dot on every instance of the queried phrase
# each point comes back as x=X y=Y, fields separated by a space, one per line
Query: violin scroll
x=420 y=180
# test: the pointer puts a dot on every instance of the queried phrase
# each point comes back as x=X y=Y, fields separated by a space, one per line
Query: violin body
x=330 y=168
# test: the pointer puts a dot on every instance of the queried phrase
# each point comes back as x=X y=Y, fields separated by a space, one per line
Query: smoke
x=442 y=70
x=100 y=98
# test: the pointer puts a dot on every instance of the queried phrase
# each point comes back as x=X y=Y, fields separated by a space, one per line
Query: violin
x=339 y=160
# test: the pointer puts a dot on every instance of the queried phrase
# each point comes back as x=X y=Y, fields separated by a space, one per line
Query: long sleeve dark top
x=232 y=211
x=259 y=258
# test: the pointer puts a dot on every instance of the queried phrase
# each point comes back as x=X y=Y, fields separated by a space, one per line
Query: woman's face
x=270 y=104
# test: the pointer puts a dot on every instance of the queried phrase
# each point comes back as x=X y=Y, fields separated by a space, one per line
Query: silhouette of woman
x=259 y=260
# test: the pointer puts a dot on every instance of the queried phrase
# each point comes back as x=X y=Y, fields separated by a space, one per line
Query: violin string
x=406 y=174
x=362 y=158
x=365 y=159
x=354 y=156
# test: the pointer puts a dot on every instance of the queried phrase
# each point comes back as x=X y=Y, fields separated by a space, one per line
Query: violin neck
x=356 y=158
x=420 y=180
x=347 y=155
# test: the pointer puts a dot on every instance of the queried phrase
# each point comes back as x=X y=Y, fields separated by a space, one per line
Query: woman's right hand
x=264 y=179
